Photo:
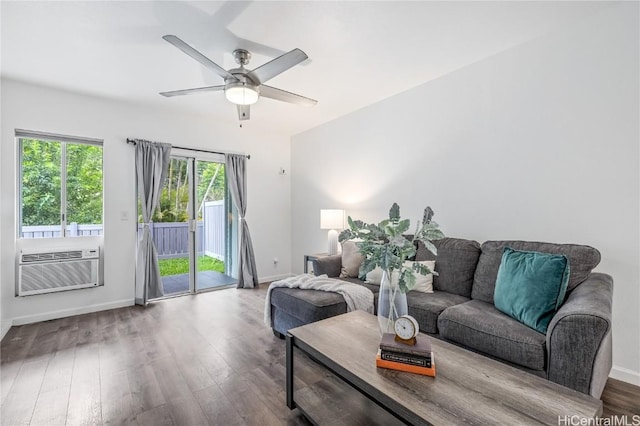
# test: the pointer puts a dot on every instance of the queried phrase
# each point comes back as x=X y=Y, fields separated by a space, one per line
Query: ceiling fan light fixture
x=244 y=87
x=241 y=93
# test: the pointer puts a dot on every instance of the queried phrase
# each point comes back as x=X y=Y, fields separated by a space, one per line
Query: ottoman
x=294 y=307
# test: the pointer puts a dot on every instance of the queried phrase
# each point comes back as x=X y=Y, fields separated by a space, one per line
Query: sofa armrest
x=330 y=265
x=579 y=337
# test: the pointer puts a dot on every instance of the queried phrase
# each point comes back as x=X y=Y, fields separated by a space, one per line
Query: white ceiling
x=360 y=52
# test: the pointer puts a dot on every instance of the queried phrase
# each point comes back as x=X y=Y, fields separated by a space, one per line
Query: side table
x=310 y=258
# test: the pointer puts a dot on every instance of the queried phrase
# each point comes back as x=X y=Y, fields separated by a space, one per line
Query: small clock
x=406 y=328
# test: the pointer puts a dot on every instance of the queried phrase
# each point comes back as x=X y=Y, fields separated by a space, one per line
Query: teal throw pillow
x=531 y=286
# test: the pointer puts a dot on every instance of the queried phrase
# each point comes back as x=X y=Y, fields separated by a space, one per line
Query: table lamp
x=332 y=219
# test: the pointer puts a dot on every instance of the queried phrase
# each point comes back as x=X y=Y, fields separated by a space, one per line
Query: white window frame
x=63 y=140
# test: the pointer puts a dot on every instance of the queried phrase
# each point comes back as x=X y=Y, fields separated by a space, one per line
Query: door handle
x=193 y=225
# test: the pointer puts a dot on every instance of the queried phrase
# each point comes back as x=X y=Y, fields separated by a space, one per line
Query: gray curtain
x=236 y=167
x=152 y=163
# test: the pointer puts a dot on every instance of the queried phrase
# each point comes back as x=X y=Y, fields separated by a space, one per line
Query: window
x=60 y=186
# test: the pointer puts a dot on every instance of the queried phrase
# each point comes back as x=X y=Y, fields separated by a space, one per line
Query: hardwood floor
x=193 y=360
x=621 y=399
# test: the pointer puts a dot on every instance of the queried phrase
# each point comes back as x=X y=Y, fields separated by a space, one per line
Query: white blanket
x=356 y=296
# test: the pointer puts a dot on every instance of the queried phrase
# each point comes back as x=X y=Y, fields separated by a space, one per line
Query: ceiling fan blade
x=283 y=95
x=208 y=63
x=276 y=66
x=191 y=91
x=243 y=112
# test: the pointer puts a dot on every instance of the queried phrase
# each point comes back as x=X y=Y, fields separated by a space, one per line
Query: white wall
x=4 y=325
x=539 y=142
x=43 y=109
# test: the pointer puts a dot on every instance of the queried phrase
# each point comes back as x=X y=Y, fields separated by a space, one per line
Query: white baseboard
x=4 y=327
x=28 y=319
x=625 y=375
x=273 y=278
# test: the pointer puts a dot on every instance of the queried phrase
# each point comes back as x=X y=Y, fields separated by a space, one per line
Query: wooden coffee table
x=332 y=378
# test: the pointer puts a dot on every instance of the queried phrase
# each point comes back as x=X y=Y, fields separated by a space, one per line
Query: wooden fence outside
x=52 y=231
x=171 y=238
x=215 y=220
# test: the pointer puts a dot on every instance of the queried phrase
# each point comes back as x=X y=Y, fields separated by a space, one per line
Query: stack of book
x=396 y=355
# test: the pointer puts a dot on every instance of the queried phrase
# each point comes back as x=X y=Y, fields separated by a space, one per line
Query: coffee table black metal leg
x=289 y=365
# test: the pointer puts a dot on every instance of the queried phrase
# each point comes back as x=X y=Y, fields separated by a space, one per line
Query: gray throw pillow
x=351 y=260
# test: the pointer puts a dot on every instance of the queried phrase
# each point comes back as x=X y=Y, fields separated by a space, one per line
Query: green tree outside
x=84 y=184
x=174 y=199
x=41 y=182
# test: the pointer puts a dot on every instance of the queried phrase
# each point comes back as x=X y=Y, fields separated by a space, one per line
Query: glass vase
x=392 y=303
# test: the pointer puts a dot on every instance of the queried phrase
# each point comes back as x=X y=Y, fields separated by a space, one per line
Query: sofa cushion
x=455 y=264
x=328 y=265
x=423 y=283
x=308 y=305
x=480 y=326
x=530 y=286
x=582 y=259
x=375 y=276
x=375 y=288
x=425 y=307
x=351 y=260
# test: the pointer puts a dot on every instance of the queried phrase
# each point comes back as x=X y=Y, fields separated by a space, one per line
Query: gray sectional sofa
x=575 y=351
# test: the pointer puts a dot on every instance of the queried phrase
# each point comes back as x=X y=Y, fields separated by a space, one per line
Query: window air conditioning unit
x=50 y=271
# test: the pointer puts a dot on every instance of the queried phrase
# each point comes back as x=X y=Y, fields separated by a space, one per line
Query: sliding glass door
x=171 y=228
x=193 y=227
x=213 y=226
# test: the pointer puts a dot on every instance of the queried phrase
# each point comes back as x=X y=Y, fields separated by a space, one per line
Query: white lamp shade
x=331 y=219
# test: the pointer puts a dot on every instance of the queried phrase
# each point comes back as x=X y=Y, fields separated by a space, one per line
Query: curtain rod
x=133 y=142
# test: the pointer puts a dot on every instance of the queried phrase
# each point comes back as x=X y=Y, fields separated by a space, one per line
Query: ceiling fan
x=241 y=86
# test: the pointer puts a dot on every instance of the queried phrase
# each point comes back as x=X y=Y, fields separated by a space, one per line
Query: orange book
x=381 y=363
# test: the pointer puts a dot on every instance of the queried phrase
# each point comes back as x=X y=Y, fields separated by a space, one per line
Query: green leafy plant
x=387 y=246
